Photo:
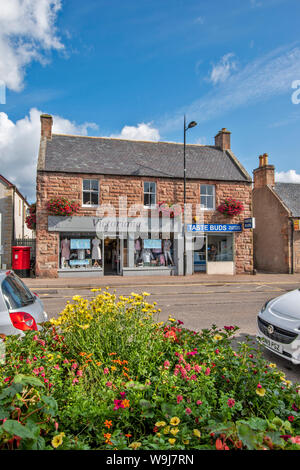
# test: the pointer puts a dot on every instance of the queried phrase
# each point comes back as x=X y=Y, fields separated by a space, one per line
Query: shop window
x=80 y=251
x=220 y=247
x=153 y=252
x=90 y=192
x=149 y=194
x=207 y=196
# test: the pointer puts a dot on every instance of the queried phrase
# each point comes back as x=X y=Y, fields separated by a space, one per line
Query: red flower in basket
x=62 y=206
x=230 y=207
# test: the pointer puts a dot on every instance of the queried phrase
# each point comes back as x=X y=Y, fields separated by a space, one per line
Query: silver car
x=279 y=326
x=20 y=309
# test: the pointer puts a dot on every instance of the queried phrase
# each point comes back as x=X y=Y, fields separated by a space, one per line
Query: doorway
x=199 y=244
x=111 y=256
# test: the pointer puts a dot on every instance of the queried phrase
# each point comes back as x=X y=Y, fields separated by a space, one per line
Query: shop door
x=200 y=254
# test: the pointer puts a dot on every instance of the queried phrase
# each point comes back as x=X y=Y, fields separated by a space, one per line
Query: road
x=198 y=305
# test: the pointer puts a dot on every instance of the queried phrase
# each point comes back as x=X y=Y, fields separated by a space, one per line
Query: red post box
x=21 y=260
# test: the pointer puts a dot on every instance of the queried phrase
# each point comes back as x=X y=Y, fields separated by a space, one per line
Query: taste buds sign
x=214 y=227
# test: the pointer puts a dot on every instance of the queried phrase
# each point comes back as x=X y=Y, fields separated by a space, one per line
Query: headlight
x=265 y=305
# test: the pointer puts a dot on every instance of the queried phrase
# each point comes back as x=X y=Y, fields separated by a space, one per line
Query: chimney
x=264 y=175
x=222 y=139
x=46 y=126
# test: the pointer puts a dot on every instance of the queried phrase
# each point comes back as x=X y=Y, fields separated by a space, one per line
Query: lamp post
x=185 y=127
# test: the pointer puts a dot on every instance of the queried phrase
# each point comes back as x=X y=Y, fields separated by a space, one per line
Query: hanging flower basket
x=62 y=206
x=31 y=218
x=231 y=207
x=167 y=210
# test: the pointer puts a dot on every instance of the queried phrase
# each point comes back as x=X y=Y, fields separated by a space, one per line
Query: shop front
x=93 y=246
x=210 y=248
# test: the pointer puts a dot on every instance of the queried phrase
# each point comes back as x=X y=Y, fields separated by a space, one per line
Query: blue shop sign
x=214 y=227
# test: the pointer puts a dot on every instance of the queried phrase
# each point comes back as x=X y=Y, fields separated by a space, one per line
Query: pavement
x=195 y=279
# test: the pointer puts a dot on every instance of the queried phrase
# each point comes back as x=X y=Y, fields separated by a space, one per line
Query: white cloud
x=140 y=132
x=289 y=176
x=27 y=32
x=265 y=77
x=221 y=71
x=19 y=144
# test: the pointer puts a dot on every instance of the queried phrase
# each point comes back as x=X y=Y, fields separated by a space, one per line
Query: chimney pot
x=46 y=126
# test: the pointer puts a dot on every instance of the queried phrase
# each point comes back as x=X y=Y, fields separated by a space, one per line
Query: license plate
x=277 y=347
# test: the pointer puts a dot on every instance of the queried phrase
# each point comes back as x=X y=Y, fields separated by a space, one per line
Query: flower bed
x=107 y=375
x=31 y=218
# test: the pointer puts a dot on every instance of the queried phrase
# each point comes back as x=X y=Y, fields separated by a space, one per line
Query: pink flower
x=65 y=361
x=36 y=371
x=230 y=402
x=179 y=398
x=108 y=384
x=199 y=402
x=34 y=358
x=295 y=440
x=105 y=370
x=259 y=386
x=74 y=365
x=188 y=411
x=197 y=368
x=166 y=364
x=123 y=394
x=207 y=372
x=56 y=425
x=217 y=351
x=75 y=381
x=79 y=373
x=6 y=379
x=291 y=418
x=56 y=367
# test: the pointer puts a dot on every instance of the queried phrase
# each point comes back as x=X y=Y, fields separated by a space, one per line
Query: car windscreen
x=15 y=293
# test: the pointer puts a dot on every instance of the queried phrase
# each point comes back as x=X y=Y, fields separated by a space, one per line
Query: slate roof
x=289 y=193
x=98 y=155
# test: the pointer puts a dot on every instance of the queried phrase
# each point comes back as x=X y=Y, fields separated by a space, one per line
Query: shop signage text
x=214 y=227
x=249 y=223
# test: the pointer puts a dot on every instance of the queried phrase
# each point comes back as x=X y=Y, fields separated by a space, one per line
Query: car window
x=15 y=293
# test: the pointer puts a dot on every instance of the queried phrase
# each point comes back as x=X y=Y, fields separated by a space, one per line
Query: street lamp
x=191 y=124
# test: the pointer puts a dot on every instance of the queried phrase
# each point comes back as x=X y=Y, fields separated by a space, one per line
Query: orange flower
x=128 y=435
x=126 y=375
x=82 y=354
x=98 y=363
x=89 y=355
x=125 y=368
x=107 y=423
x=107 y=438
x=112 y=354
x=125 y=403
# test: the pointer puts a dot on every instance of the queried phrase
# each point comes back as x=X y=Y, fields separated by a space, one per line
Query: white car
x=279 y=326
x=20 y=309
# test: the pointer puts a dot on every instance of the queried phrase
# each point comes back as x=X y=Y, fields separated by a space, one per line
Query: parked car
x=20 y=309
x=279 y=326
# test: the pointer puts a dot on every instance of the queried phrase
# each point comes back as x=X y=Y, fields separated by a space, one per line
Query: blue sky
x=132 y=69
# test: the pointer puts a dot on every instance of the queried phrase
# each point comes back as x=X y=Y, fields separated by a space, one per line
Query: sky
x=133 y=69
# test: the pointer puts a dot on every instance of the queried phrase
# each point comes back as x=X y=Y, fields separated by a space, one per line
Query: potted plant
x=62 y=206
x=230 y=207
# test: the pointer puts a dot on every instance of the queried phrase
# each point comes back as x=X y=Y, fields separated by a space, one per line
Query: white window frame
x=151 y=206
x=90 y=191
x=208 y=195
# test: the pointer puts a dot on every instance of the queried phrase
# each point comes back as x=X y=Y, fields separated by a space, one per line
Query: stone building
x=276 y=208
x=95 y=172
x=13 y=210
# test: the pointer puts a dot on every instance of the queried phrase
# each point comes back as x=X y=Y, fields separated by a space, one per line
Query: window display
x=76 y=252
x=220 y=248
x=153 y=252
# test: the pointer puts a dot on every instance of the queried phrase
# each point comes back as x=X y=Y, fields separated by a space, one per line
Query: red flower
x=291 y=418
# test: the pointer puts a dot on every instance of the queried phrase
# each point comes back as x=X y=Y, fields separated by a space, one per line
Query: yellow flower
x=57 y=440
x=160 y=424
x=167 y=430
x=218 y=337
x=261 y=392
x=76 y=297
x=174 y=431
x=272 y=365
x=197 y=433
x=145 y=294
x=135 y=445
x=172 y=441
x=186 y=442
x=174 y=421
x=84 y=327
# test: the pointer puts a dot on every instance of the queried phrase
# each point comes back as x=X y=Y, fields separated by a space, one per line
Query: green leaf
x=3 y=413
x=145 y=404
x=168 y=409
x=248 y=437
x=27 y=380
x=17 y=429
x=51 y=403
x=257 y=424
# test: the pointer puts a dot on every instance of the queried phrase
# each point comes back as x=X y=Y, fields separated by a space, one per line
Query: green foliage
x=106 y=374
